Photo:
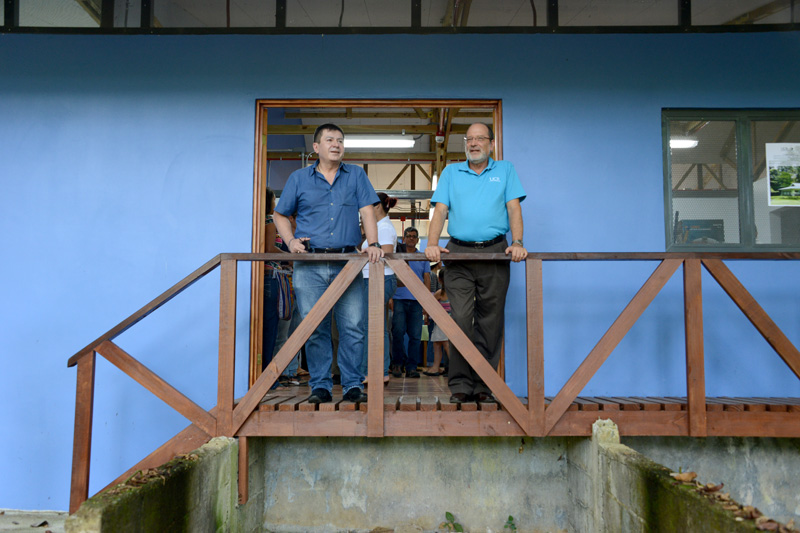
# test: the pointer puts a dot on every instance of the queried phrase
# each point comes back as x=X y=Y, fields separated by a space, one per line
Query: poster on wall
x=783 y=166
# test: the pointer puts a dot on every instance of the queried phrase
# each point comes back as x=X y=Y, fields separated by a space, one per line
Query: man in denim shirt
x=327 y=199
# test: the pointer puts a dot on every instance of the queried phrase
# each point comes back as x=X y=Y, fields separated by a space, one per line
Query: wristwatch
x=517 y=241
x=375 y=244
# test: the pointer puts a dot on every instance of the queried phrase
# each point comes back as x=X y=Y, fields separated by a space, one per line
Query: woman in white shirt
x=387 y=238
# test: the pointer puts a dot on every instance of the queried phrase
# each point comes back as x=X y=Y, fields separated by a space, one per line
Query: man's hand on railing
x=433 y=253
x=517 y=251
x=374 y=253
x=297 y=245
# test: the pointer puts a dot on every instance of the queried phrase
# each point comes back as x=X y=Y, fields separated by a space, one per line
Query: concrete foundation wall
x=408 y=484
x=328 y=484
x=756 y=471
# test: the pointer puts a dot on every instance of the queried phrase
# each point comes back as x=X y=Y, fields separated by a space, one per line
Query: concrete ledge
x=629 y=492
x=196 y=492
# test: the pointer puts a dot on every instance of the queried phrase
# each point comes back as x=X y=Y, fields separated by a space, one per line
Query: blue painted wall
x=127 y=162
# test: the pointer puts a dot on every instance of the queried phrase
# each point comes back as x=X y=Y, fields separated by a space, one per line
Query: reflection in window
x=776 y=188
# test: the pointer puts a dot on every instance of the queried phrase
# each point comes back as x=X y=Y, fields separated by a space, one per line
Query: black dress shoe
x=484 y=397
x=412 y=373
x=460 y=397
x=320 y=396
x=355 y=395
x=397 y=372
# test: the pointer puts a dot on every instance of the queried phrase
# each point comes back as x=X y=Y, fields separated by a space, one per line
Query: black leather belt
x=478 y=244
x=343 y=250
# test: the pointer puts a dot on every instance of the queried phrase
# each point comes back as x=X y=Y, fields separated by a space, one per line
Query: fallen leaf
x=710 y=487
x=767 y=526
x=724 y=496
x=730 y=507
x=40 y=524
x=686 y=477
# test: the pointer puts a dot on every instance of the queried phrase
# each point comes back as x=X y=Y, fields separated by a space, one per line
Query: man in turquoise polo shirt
x=481 y=197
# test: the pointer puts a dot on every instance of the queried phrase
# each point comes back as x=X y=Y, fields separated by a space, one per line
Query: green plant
x=450 y=523
x=510 y=525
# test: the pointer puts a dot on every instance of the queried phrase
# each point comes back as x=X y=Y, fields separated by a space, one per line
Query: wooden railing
x=534 y=419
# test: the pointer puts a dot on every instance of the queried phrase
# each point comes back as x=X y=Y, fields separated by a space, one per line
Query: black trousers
x=477 y=292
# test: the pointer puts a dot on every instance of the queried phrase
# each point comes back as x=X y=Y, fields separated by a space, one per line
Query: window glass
x=57 y=14
x=484 y=13
x=362 y=14
x=776 y=181
x=213 y=14
x=738 y=12
x=704 y=179
x=617 y=13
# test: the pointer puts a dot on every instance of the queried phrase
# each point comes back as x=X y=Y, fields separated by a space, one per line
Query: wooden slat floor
x=432 y=394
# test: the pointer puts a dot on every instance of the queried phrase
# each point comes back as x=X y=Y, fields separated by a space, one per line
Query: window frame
x=743 y=119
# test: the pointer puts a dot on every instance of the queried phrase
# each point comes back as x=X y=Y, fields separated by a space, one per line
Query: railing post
x=82 y=440
x=535 y=320
x=244 y=471
x=227 y=347
x=377 y=310
x=695 y=365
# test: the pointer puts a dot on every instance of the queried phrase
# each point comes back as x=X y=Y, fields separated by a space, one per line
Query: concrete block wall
x=333 y=484
x=408 y=484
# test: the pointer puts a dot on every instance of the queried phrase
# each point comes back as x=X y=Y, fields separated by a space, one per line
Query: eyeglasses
x=479 y=139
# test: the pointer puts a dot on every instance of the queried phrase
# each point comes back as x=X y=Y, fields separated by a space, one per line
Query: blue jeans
x=407 y=319
x=311 y=280
x=389 y=286
x=285 y=330
x=270 y=327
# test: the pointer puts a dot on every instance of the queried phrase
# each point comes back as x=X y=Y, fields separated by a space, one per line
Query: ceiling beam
x=93 y=8
x=373 y=129
x=400 y=157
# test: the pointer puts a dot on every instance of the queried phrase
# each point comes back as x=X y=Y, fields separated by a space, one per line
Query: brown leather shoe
x=484 y=397
x=459 y=397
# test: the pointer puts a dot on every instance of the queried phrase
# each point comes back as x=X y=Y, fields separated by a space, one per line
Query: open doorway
x=283 y=144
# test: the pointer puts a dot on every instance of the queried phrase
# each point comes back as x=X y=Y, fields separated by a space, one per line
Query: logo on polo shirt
x=495 y=178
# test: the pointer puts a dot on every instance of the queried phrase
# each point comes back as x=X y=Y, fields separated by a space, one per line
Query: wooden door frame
x=260 y=183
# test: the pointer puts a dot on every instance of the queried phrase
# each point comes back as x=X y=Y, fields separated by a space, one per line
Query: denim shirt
x=327 y=213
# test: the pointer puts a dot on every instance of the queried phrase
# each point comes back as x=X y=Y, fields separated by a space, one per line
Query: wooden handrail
x=227 y=418
x=132 y=320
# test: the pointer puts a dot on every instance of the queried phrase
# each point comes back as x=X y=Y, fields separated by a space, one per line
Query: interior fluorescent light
x=682 y=143
x=379 y=141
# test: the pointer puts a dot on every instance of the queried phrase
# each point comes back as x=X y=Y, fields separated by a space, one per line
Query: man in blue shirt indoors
x=407 y=314
x=482 y=199
x=327 y=198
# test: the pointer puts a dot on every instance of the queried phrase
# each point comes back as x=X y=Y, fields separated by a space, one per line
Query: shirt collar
x=489 y=167
x=342 y=168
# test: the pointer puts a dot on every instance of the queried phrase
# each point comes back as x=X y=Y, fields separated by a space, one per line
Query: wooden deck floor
x=420 y=407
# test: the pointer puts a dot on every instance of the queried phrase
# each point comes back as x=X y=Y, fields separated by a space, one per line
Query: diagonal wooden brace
x=755 y=313
x=460 y=340
x=609 y=341
x=267 y=378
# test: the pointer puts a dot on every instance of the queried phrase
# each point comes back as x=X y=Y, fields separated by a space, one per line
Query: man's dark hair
x=320 y=129
x=409 y=230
